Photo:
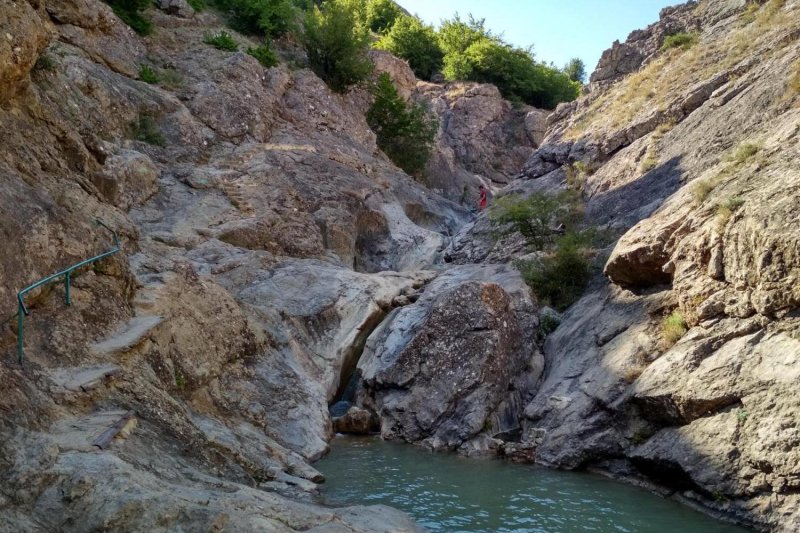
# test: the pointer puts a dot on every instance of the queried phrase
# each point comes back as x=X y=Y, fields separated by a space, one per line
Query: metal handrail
x=22 y=311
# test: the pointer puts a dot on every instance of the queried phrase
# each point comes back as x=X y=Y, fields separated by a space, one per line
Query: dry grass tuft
x=794 y=82
x=744 y=152
x=673 y=328
x=649 y=163
x=725 y=211
x=701 y=190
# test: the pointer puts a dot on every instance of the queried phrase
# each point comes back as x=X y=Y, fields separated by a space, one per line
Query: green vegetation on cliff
x=559 y=278
x=264 y=55
x=222 y=41
x=467 y=50
x=405 y=132
x=336 y=42
x=575 y=70
x=416 y=42
x=680 y=40
x=673 y=328
x=270 y=18
x=550 y=225
x=130 y=11
x=537 y=217
x=382 y=14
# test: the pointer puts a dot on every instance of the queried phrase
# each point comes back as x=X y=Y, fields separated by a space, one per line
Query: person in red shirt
x=483 y=200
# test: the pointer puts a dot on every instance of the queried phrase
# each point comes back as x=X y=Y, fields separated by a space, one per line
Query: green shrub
x=725 y=211
x=415 y=42
x=45 y=62
x=129 y=11
x=536 y=217
x=222 y=41
x=742 y=414
x=264 y=54
x=720 y=497
x=170 y=78
x=575 y=178
x=575 y=70
x=583 y=168
x=641 y=436
x=456 y=35
x=472 y=53
x=733 y=203
x=673 y=328
x=197 y=5
x=382 y=14
x=147 y=74
x=336 y=44
x=145 y=129
x=548 y=324
x=405 y=132
x=680 y=40
x=749 y=14
x=270 y=18
x=559 y=278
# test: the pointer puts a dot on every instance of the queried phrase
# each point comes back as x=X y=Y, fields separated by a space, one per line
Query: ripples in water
x=444 y=492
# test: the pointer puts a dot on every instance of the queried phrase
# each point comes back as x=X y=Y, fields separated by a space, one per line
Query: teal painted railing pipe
x=22 y=311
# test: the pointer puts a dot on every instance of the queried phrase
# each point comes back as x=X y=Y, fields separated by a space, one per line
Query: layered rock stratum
x=274 y=261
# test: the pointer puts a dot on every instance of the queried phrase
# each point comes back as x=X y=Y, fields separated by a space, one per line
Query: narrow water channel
x=444 y=492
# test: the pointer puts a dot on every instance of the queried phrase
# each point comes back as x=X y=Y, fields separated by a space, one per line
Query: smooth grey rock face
x=482 y=138
x=452 y=365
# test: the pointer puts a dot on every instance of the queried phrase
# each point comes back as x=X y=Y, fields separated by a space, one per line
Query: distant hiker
x=483 y=199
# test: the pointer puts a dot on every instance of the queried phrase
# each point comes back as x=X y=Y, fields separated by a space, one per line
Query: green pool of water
x=444 y=492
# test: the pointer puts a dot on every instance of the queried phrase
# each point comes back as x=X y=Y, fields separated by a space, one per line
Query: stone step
x=83 y=379
x=79 y=433
x=128 y=336
x=144 y=300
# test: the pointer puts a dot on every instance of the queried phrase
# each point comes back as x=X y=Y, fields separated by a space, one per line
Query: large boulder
x=127 y=179
x=356 y=421
x=455 y=363
x=397 y=69
x=25 y=34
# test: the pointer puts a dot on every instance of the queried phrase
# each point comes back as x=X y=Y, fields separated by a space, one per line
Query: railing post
x=66 y=288
x=20 y=331
x=22 y=310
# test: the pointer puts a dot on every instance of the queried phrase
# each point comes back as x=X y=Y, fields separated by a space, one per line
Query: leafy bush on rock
x=270 y=18
x=466 y=50
x=336 y=41
x=222 y=41
x=416 y=42
x=405 y=132
x=130 y=12
x=382 y=14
